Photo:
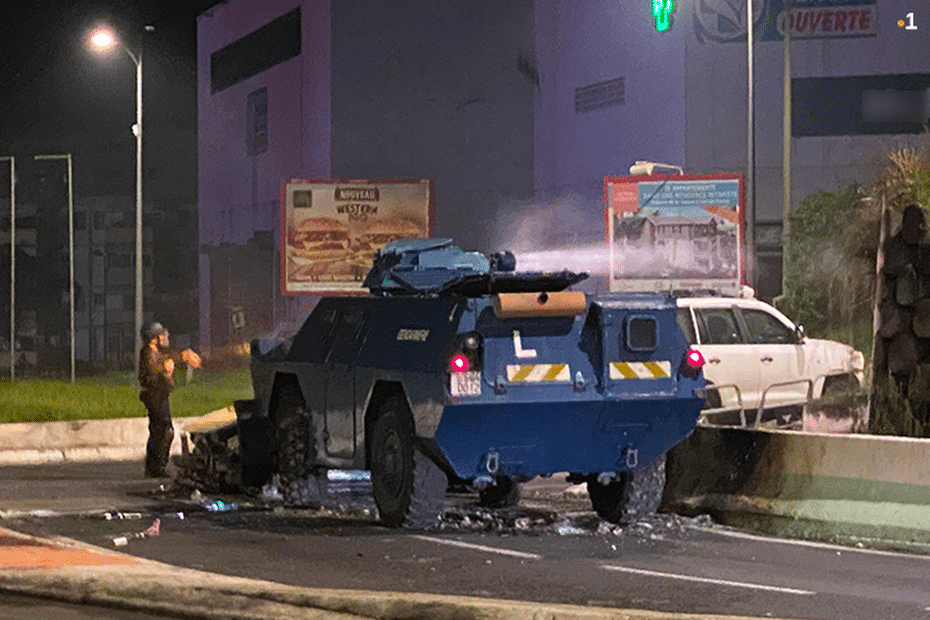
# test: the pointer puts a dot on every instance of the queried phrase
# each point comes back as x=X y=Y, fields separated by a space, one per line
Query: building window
x=600 y=95
x=98 y=299
x=99 y=220
x=257 y=51
x=860 y=105
x=80 y=220
x=257 y=119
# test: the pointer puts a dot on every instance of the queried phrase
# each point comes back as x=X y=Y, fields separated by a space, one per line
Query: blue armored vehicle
x=457 y=368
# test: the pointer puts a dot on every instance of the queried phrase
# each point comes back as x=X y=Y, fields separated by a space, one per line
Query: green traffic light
x=662 y=10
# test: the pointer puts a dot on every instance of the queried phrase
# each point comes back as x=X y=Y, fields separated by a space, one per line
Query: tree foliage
x=830 y=264
x=831 y=253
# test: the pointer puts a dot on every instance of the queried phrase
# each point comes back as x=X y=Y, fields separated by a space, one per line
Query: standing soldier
x=156 y=378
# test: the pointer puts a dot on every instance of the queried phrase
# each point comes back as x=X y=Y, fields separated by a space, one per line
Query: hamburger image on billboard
x=331 y=229
x=383 y=231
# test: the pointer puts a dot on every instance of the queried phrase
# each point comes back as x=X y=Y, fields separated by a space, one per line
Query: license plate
x=465 y=383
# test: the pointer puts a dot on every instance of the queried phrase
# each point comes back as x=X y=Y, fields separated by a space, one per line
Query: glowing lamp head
x=102 y=40
x=459 y=363
x=695 y=359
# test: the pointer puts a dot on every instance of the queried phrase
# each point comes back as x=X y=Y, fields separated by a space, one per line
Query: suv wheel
x=408 y=487
x=634 y=495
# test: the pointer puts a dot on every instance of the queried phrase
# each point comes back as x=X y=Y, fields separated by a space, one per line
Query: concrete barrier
x=32 y=443
x=842 y=488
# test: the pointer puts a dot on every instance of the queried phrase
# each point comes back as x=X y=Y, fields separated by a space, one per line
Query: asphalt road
x=15 y=607
x=549 y=549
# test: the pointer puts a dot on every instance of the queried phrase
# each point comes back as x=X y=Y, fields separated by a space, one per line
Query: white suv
x=756 y=356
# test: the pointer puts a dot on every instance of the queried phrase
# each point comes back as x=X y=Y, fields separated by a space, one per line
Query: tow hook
x=491 y=465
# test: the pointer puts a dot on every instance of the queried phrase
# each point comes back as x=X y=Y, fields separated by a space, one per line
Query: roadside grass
x=116 y=395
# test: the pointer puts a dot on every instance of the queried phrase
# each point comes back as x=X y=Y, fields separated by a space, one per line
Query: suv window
x=686 y=324
x=718 y=326
x=767 y=329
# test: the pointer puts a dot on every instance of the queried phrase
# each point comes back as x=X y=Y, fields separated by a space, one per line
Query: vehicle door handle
x=714 y=360
x=767 y=359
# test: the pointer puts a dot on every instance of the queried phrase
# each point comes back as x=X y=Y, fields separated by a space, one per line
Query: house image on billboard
x=660 y=246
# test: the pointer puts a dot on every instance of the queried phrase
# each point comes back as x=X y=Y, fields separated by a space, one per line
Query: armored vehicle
x=456 y=367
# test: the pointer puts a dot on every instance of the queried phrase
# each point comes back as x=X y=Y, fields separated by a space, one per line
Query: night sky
x=55 y=89
x=60 y=96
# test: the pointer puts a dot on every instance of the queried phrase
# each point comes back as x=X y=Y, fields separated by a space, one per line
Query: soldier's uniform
x=156 y=378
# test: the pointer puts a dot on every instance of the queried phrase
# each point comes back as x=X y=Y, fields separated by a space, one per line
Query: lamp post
x=12 y=161
x=102 y=40
x=750 y=151
x=67 y=157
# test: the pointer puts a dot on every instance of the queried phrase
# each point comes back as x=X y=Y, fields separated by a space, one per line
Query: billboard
x=330 y=228
x=724 y=21
x=670 y=233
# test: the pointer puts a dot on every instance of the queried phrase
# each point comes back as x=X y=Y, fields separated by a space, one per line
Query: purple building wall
x=239 y=192
x=585 y=42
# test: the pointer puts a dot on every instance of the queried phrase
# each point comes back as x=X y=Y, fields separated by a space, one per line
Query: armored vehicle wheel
x=634 y=495
x=408 y=487
x=300 y=480
x=505 y=493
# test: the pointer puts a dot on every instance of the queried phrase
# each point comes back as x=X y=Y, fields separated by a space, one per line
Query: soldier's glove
x=190 y=358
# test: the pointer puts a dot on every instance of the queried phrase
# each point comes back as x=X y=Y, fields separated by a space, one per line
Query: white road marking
x=813 y=544
x=719 y=582
x=465 y=545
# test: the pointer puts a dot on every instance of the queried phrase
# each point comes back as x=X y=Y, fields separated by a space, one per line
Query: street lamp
x=12 y=161
x=102 y=40
x=67 y=157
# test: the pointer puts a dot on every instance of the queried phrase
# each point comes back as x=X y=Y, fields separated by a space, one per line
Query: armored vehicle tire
x=501 y=495
x=408 y=487
x=634 y=495
x=300 y=480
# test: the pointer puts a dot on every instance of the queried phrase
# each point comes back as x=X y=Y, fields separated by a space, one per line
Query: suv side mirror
x=799 y=333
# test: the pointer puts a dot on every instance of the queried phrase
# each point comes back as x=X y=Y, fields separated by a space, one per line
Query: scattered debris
x=271 y=492
x=221 y=506
x=114 y=515
x=149 y=532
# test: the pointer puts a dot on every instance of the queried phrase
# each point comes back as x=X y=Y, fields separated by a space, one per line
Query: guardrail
x=705 y=413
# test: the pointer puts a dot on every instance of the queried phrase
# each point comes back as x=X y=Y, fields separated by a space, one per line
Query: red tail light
x=458 y=363
x=691 y=364
x=695 y=359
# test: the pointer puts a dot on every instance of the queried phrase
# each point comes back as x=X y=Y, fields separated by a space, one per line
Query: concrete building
x=518 y=110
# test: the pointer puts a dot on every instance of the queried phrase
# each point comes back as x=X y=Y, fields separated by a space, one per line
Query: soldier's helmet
x=151 y=330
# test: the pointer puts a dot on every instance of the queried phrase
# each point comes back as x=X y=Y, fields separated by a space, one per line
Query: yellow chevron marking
x=640 y=370
x=625 y=370
x=537 y=373
x=553 y=372
x=657 y=370
x=522 y=372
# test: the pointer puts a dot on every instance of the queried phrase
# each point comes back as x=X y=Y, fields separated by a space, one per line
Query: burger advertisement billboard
x=332 y=227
